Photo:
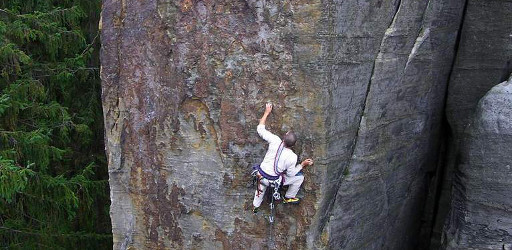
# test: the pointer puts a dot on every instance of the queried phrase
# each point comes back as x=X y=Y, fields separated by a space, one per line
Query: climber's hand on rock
x=268 y=108
x=307 y=162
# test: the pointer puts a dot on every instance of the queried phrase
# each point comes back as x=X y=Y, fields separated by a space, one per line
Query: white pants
x=293 y=182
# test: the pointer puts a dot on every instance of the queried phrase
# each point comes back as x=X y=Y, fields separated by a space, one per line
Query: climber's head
x=289 y=139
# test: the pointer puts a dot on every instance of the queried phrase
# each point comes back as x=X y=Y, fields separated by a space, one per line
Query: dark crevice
x=419 y=34
x=435 y=178
x=443 y=155
x=456 y=51
x=368 y=88
x=507 y=71
x=397 y=8
x=446 y=135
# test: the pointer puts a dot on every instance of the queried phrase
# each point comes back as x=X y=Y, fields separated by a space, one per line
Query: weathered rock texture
x=384 y=182
x=481 y=216
x=184 y=83
x=483 y=60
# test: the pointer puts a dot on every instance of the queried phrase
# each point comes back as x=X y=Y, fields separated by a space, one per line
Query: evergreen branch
x=38 y=233
x=49 y=200
x=84 y=68
x=67 y=69
x=50 y=13
x=5 y=12
x=8 y=132
x=90 y=44
x=32 y=218
x=55 y=11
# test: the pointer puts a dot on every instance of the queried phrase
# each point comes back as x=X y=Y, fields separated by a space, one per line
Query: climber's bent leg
x=294 y=183
x=258 y=195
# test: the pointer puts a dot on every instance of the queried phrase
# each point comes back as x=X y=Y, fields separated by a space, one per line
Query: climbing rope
x=274 y=197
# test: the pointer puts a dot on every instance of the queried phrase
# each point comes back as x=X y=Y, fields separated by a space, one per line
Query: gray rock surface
x=481 y=215
x=385 y=181
x=184 y=83
x=483 y=60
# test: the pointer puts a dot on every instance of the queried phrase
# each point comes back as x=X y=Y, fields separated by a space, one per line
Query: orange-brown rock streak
x=184 y=85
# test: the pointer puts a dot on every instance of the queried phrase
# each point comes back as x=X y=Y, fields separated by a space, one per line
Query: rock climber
x=279 y=164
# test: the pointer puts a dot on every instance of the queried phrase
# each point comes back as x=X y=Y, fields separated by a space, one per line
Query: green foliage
x=13 y=179
x=53 y=188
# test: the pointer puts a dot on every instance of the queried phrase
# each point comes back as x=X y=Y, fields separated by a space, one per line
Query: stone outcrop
x=362 y=83
x=481 y=215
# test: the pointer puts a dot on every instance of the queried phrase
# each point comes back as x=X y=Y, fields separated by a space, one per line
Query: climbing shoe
x=291 y=200
x=255 y=210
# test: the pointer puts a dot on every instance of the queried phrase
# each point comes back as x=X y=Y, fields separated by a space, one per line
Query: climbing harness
x=273 y=182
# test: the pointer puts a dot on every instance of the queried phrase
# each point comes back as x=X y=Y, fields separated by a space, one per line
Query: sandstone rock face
x=481 y=216
x=184 y=83
x=483 y=60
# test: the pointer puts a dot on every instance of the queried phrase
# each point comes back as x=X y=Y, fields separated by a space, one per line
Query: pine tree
x=53 y=187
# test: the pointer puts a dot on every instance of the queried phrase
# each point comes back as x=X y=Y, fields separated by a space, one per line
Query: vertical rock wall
x=385 y=181
x=184 y=83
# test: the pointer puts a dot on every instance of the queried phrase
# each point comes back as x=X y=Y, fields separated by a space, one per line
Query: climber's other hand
x=307 y=162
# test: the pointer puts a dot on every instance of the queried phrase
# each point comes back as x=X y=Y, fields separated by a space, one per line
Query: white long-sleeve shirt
x=287 y=160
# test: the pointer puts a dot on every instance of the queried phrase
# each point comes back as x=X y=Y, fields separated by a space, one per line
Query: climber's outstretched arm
x=268 y=109
x=265 y=134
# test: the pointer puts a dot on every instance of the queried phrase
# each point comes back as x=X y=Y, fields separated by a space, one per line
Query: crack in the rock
x=363 y=108
x=420 y=39
x=448 y=126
